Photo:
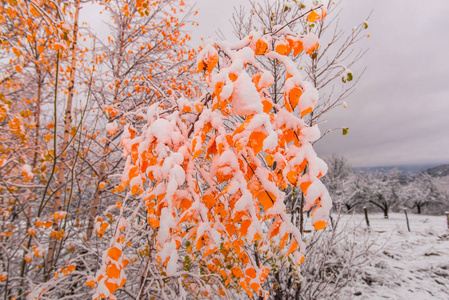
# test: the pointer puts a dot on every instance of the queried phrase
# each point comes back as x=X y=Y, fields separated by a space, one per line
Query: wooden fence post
x=406 y=218
x=366 y=216
x=447 y=217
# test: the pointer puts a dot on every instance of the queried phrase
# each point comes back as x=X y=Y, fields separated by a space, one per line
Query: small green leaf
x=345 y=130
x=350 y=76
x=365 y=24
x=347 y=77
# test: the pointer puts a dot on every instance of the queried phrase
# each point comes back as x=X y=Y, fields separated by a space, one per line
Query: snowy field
x=402 y=265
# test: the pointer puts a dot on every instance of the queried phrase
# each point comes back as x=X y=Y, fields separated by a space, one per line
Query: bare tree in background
x=422 y=192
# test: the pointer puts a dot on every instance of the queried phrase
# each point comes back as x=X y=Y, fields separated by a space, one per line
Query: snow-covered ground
x=402 y=265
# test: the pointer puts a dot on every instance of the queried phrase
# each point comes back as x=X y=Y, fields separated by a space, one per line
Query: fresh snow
x=401 y=264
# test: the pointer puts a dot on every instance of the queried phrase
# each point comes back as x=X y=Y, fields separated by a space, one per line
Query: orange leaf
x=71 y=268
x=90 y=283
x=284 y=241
x=251 y=272
x=113 y=271
x=153 y=221
x=294 y=94
x=16 y=52
x=304 y=186
x=133 y=172
x=267 y=106
x=40 y=49
x=256 y=141
x=230 y=228
x=233 y=77
x=274 y=228
x=114 y=253
x=135 y=189
x=122 y=283
x=306 y=111
x=111 y=286
x=237 y=272
x=200 y=242
x=256 y=79
x=313 y=16
x=208 y=64
x=266 y=199
x=292 y=176
x=292 y=248
x=187 y=109
x=255 y=286
x=244 y=227
x=318 y=225
x=313 y=48
x=209 y=250
x=261 y=47
x=185 y=204
x=283 y=48
x=298 y=47
x=209 y=200
x=269 y=159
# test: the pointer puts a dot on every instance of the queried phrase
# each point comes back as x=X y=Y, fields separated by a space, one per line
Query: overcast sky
x=399 y=113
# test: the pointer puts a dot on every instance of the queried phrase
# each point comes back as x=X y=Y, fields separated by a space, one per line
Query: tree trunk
x=348 y=207
x=101 y=173
x=96 y=200
x=65 y=142
x=418 y=206
x=385 y=212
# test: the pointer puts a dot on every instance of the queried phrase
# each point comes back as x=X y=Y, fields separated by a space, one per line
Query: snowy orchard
x=210 y=172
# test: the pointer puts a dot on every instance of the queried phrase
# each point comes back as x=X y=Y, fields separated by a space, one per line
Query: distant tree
x=421 y=192
x=383 y=190
x=337 y=174
x=354 y=191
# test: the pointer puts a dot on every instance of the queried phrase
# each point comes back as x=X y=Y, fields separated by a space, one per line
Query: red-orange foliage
x=204 y=169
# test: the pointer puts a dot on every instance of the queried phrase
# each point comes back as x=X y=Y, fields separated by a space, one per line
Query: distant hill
x=440 y=171
x=404 y=169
